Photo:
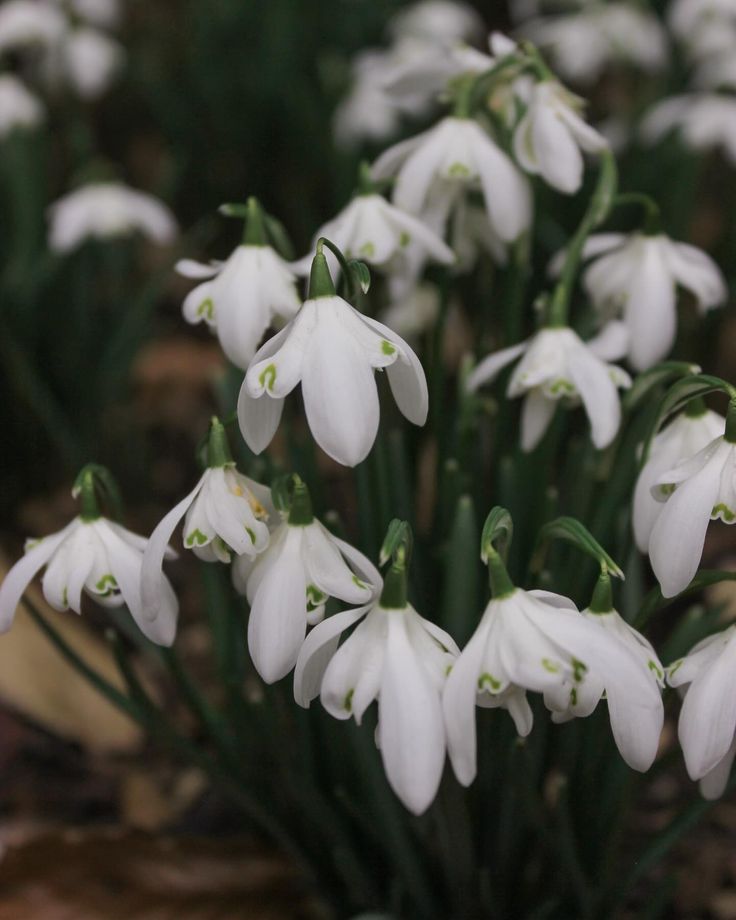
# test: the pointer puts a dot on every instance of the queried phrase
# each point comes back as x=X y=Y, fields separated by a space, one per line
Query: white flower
x=87 y=59
x=707 y=725
x=367 y=112
x=442 y=22
x=105 y=210
x=704 y=121
x=28 y=23
x=458 y=153
x=680 y=440
x=377 y=232
x=333 y=350
x=550 y=136
x=415 y=313
x=695 y=492
x=557 y=364
x=537 y=641
x=246 y=293
x=704 y=26
x=584 y=43
x=100 y=558
x=19 y=108
x=400 y=659
x=288 y=586
x=225 y=512
x=637 y=276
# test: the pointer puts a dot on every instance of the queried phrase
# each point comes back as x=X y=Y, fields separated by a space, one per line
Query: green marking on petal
x=676 y=666
x=458 y=171
x=107 y=585
x=267 y=377
x=578 y=670
x=367 y=250
x=724 y=512
x=251 y=534
x=550 y=666
x=404 y=239
x=667 y=489
x=315 y=598
x=574 y=696
x=358 y=582
x=561 y=385
x=65 y=598
x=387 y=348
x=653 y=666
x=488 y=680
x=196 y=536
x=206 y=309
x=347 y=703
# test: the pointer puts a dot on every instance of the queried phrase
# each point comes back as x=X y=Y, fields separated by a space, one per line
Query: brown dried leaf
x=37 y=682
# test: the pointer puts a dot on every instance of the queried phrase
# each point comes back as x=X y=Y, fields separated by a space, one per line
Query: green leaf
x=498 y=531
x=360 y=275
x=572 y=531
x=397 y=536
x=461 y=582
x=654 y=377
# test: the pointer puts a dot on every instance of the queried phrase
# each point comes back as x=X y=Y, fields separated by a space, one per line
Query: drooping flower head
x=401 y=660
x=243 y=296
x=289 y=584
x=92 y=555
x=557 y=365
x=107 y=210
x=538 y=641
x=19 y=108
x=695 y=491
x=225 y=515
x=333 y=351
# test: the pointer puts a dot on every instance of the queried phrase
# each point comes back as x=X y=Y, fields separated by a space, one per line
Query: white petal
x=611 y=343
x=505 y=191
x=278 y=616
x=491 y=366
x=258 y=418
x=152 y=578
x=694 y=270
x=536 y=414
x=558 y=157
x=650 y=310
x=598 y=392
x=327 y=570
x=405 y=376
x=189 y=268
x=713 y=784
x=362 y=564
x=458 y=703
x=340 y=396
x=22 y=573
x=198 y=305
x=708 y=716
x=678 y=536
x=411 y=730
x=317 y=651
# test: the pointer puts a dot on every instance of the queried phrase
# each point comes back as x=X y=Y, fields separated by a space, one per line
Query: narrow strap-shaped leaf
x=572 y=531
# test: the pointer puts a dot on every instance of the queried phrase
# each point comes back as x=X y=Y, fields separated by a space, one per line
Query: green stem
x=598 y=209
x=498 y=576
x=602 y=600
x=218 y=448
x=652 y=212
x=730 y=434
x=254 y=232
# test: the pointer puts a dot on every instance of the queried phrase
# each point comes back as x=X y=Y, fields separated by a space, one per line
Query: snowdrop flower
x=95 y=555
x=703 y=120
x=557 y=364
x=367 y=112
x=289 y=585
x=550 y=136
x=458 y=152
x=377 y=232
x=28 y=23
x=438 y=21
x=19 y=108
x=681 y=440
x=225 y=513
x=107 y=210
x=401 y=660
x=333 y=350
x=694 y=492
x=534 y=640
x=703 y=25
x=244 y=295
x=87 y=59
x=707 y=724
x=584 y=43
x=637 y=276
